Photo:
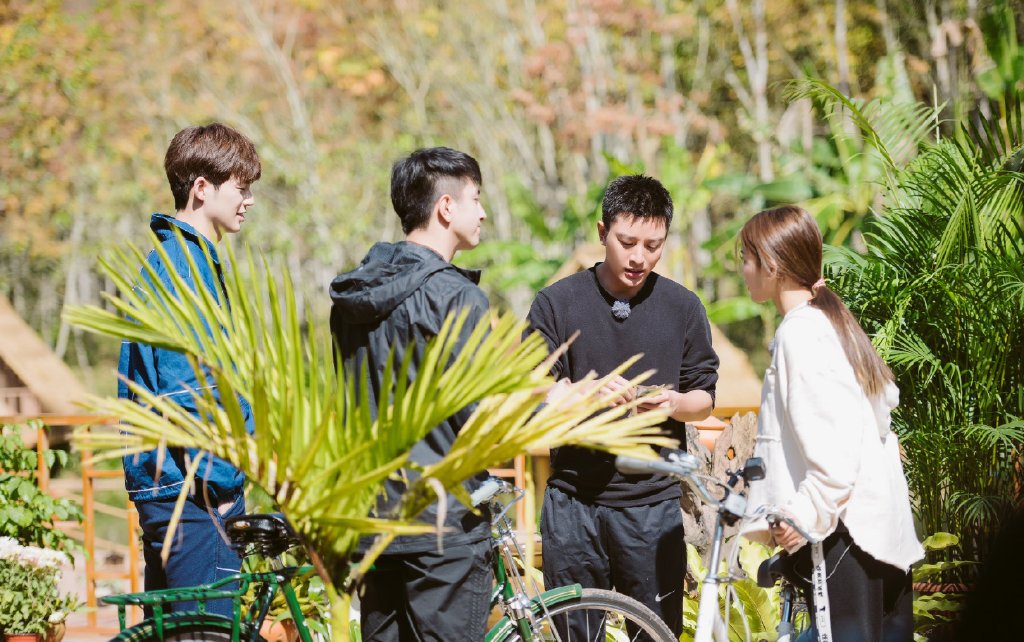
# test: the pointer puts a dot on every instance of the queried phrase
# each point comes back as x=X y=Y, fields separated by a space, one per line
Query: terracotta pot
x=928 y=588
x=283 y=631
x=23 y=637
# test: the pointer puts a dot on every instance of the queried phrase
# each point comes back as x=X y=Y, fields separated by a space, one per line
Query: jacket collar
x=163 y=226
x=429 y=255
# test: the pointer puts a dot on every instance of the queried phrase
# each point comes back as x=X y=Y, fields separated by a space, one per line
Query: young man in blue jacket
x=398 y=298
x=210 y=170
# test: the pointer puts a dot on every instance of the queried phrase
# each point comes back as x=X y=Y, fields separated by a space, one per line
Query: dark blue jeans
x=200 y=553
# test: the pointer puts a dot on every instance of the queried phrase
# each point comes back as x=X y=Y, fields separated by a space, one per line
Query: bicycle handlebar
x=493 y=486
x=684 y=465
x=774 y=516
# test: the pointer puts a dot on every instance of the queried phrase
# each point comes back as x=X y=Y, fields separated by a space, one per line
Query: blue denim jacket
x=168 y=374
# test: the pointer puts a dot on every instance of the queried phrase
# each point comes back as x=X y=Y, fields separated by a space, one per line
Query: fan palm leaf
x=318 y=448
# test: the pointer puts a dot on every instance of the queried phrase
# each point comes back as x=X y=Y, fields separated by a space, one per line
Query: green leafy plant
x=940 y=288
x=29 y=598
x=319 y=450
x=309 y=591
x=754 y=609
x=26 y=512
x=934 y=609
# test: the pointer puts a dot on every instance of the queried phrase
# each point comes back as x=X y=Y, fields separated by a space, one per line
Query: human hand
x=563 y=392
x=619 y=390
x=786 y=536
x=664 y=398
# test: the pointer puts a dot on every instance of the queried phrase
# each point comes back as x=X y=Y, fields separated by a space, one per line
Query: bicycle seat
x=770 y=570
x=268 y=535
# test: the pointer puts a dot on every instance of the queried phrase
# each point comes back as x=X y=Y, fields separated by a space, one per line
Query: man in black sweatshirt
x=601 y=528
x=398 y=298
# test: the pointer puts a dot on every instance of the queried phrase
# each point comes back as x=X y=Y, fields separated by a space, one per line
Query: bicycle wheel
x=183 y=628
x=600 y=616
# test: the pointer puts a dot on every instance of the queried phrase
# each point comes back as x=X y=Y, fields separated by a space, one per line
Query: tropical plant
x=319 y=449
x=26 y=512
x=754 y=612
x=29 y=598
x=935 y=609
x=940 y=288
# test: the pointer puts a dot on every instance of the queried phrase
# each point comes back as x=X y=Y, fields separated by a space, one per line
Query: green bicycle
x=527 y=614
x=267 y=536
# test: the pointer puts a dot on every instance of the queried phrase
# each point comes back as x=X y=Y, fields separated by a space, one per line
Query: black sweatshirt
x=667 y=324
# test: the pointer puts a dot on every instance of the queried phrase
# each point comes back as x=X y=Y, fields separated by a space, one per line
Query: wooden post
x=133 y=559
x=42 y=470
x=89 y=511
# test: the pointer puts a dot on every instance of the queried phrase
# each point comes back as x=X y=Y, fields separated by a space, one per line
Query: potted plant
x=30 y=602
x=27 y=512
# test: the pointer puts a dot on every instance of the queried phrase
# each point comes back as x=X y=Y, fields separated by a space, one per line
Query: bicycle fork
x=709 y=622
x=786 y=629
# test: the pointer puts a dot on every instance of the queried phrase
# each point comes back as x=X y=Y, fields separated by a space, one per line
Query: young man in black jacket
x=399 y=296
x=600 y=528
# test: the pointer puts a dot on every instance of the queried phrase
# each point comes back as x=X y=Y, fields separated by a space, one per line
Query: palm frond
x=892 y=128
x=941 y=288
x=318 y=448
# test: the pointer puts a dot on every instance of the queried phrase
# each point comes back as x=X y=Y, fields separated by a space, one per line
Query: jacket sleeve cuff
x=806 y=514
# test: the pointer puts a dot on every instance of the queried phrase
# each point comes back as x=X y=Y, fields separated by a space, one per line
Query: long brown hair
x=788 y=238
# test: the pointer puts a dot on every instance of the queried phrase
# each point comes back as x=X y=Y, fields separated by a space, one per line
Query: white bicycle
x=731 y=506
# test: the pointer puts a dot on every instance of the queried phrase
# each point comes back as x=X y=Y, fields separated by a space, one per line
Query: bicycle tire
x=181 y=628
x=635 y=621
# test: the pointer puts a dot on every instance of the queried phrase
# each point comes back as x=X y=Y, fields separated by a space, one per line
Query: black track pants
x=436 y=597
x=638 y=551
x=869 y=601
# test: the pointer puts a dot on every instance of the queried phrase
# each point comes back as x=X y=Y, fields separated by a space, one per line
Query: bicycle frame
x=269 y=583
x=709 y=620
x=522 y=612
x=731 y=508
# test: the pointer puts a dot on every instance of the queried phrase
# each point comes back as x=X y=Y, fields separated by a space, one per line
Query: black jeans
x=200 y=553
x=638 y=551
x=416 y=597
x=868 y=600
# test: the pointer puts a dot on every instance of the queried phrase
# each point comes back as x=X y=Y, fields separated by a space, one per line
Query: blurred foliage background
x=906 y=147
x=554 y=97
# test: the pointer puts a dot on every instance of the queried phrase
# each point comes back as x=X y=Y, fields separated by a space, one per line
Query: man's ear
x=200 y=187
x=602 y=233
x=443 y=208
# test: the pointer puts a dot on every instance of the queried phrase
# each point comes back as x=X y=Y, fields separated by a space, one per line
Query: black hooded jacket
x=400 y=296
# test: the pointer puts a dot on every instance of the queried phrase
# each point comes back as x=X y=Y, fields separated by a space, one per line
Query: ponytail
x=872 y=373
x=789 y=237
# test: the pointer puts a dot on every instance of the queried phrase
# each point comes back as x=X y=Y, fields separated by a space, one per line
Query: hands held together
x=618 y=391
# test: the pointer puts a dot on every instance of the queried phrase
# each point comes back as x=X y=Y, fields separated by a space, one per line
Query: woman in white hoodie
x=833 y=463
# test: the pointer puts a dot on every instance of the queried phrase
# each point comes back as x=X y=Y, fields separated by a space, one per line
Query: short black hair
x=637 y=195
x=422 y=177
